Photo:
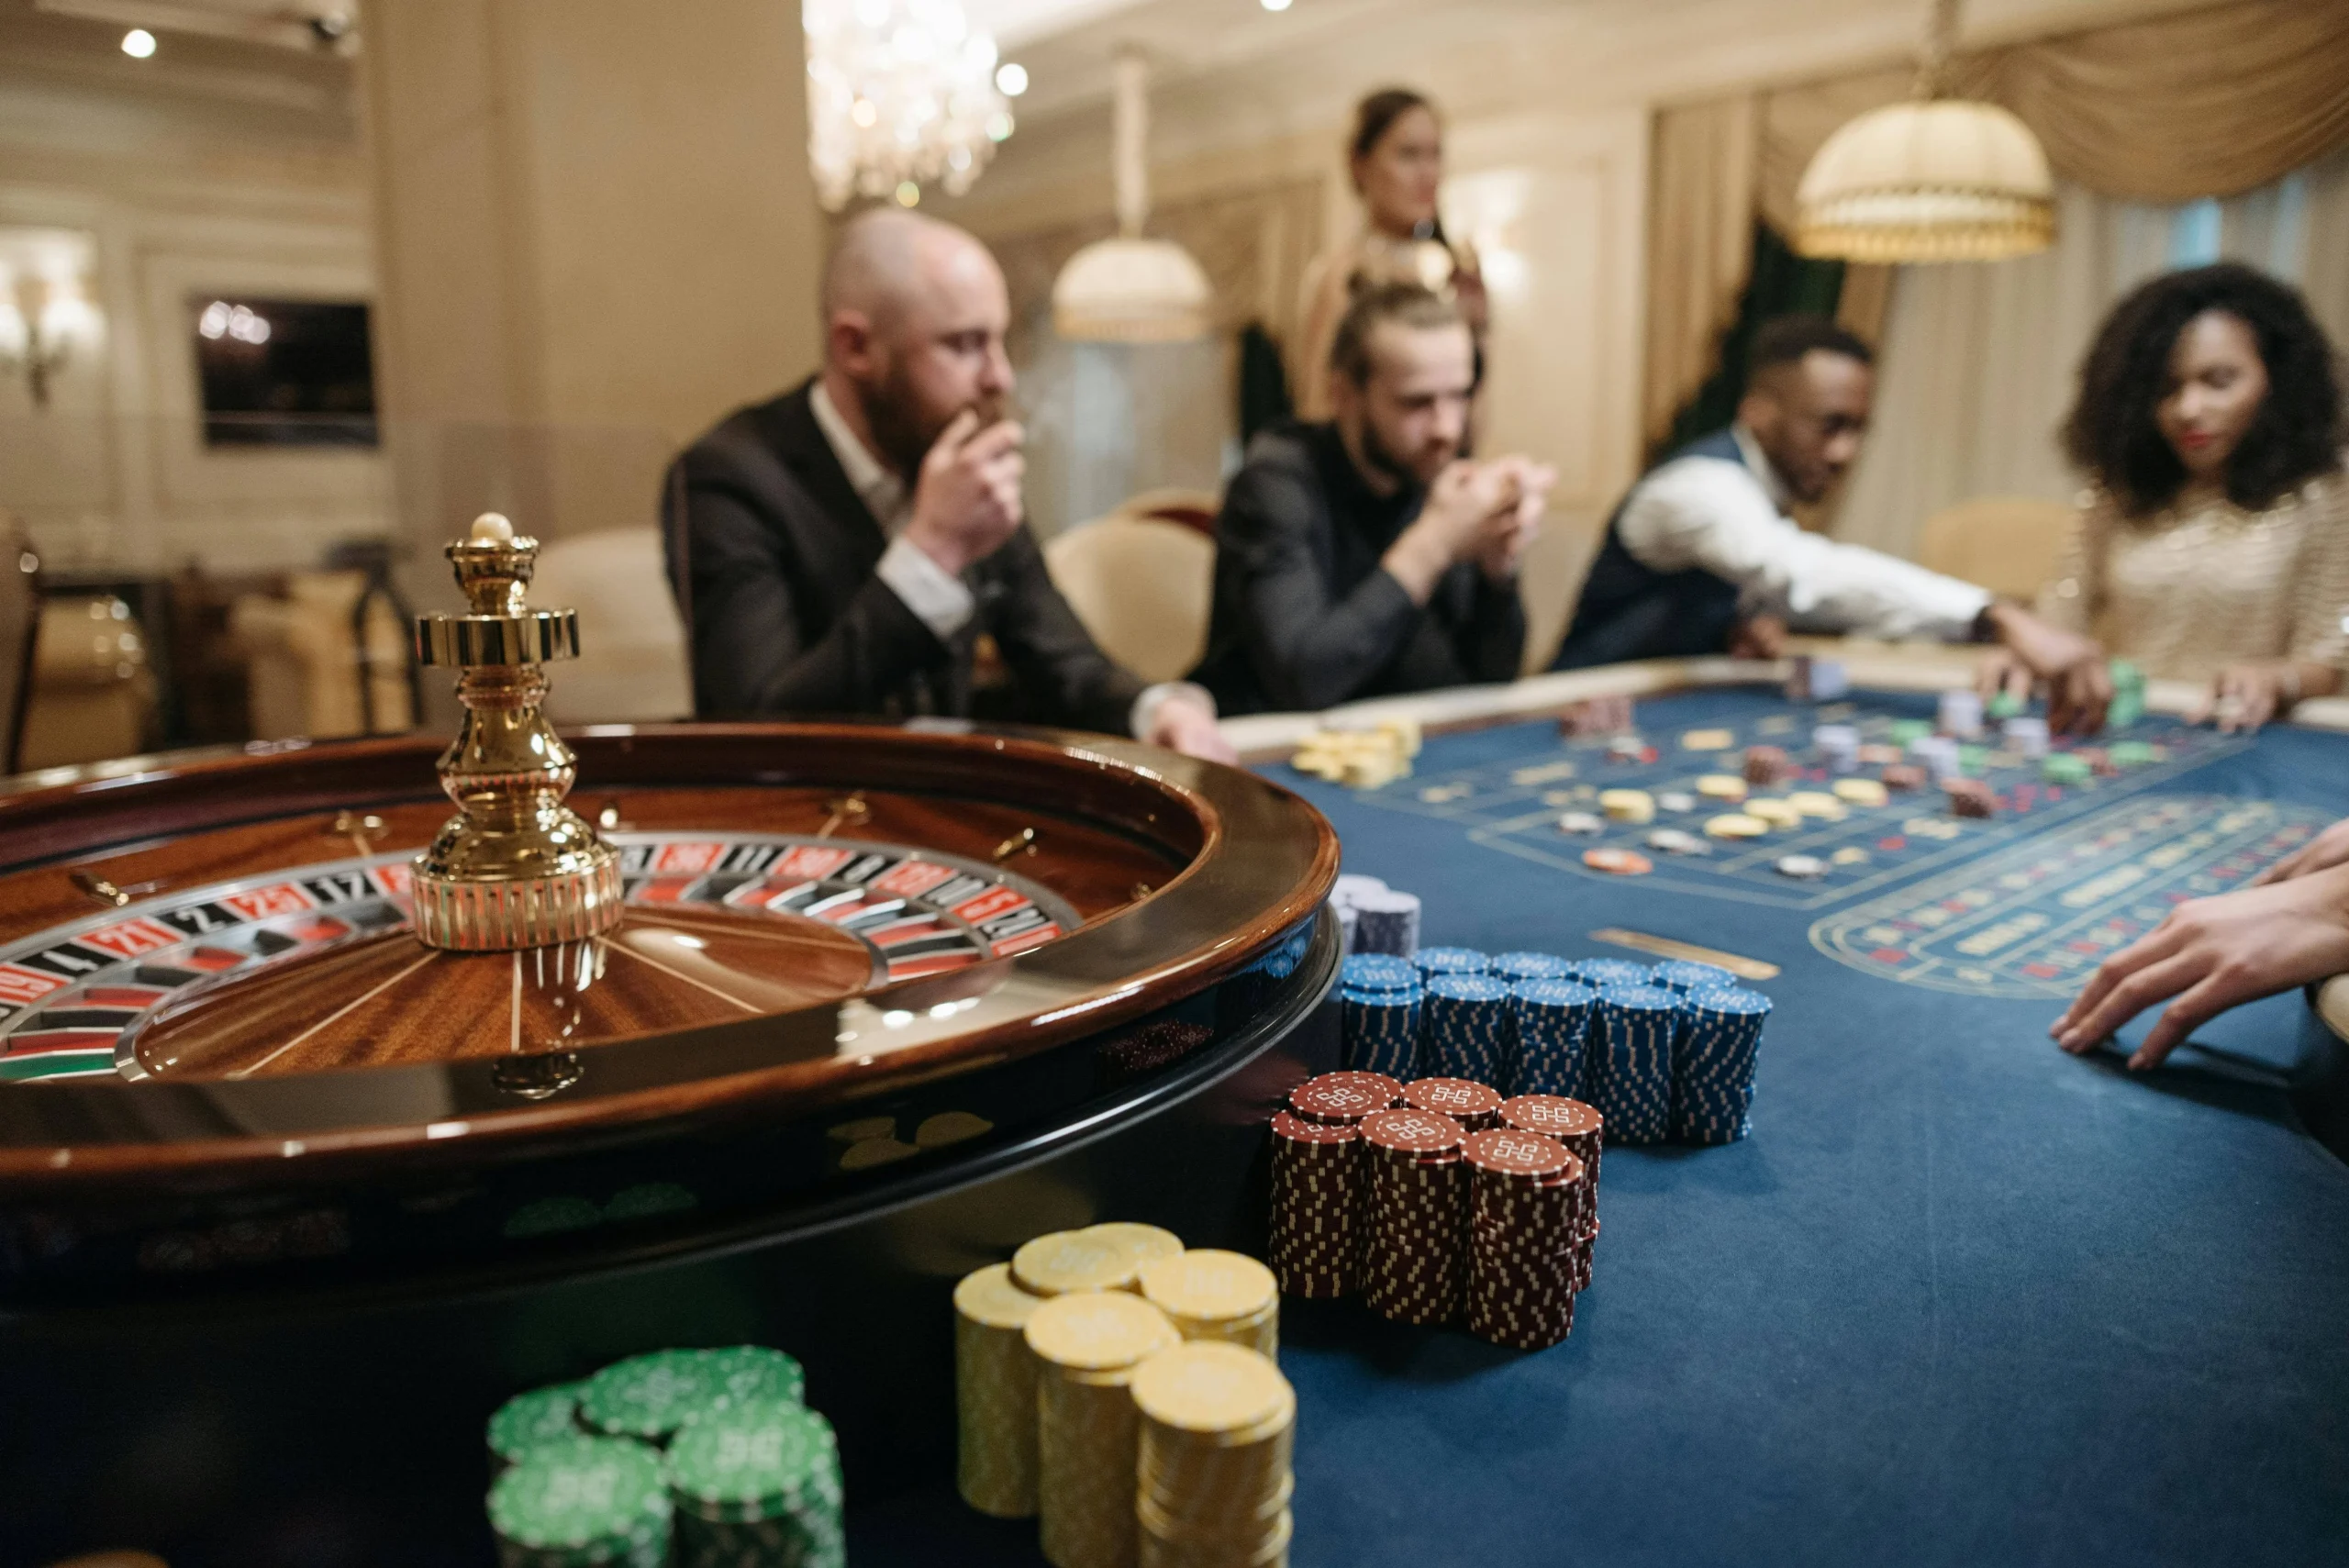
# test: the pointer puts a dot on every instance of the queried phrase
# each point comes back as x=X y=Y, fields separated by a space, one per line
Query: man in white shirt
x=1702 y=558
x=842 y=548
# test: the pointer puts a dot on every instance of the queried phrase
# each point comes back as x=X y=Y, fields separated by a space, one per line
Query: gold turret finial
x=515 y=867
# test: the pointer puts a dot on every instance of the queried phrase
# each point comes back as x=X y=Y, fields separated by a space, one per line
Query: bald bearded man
x=842 y=548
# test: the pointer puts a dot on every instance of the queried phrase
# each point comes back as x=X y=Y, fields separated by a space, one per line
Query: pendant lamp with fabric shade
x=1130 y=289
x=1936 y=179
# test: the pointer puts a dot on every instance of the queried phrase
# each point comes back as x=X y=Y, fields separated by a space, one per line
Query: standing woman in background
x=2213 y=543
x=1395 y=156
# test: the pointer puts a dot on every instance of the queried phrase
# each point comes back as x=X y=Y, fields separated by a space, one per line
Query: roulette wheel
x=670 y=1034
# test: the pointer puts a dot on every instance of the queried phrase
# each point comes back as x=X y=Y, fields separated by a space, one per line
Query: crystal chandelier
x=900 y=93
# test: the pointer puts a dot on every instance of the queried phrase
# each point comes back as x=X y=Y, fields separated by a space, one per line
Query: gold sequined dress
x=2204 y=583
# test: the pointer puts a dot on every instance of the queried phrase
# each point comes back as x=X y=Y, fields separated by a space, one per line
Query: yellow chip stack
x=1087 y=1344
x=1209 y=1293
x=995 y=1394
x=1217 y=1422
x=1100 y=1257
x=1360 y=759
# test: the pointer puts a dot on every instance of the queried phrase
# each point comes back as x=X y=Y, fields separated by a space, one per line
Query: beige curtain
x=2211 y=102
x=1982 y=359
x=1700 y=240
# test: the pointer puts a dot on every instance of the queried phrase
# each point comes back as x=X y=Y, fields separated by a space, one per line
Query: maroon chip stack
x=1313 y=1236
x=1414 y=1259
x=1767 y=765
x=1342 y=1099
x=1582 y=1130
x=1474 y=1105
x=1527 y=1206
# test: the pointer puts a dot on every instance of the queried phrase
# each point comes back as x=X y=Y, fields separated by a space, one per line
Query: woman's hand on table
x=2215 y=954
x=2330 y=848
x=2245 y=696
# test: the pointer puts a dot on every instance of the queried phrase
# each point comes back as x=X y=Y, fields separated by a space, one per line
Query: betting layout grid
x=1513 y=801
x=73 y=999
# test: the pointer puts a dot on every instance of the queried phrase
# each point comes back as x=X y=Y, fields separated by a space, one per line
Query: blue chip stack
x=1630 y=1055
x=1712 y=1078
x=1516 y=966
x=1552 y=1019
x=1379 y=1015
x=1433 y=962
x=1465 y=1030
x=1601 y=972
x=1678 y=975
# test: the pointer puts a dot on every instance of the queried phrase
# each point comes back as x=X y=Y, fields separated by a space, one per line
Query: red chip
x=1462 y=1099
x=1553 y=1115
x=1299 y=1130
x=1343 y=1098
x=1617 y=863
x=1411 y=1131
x=1512 y=1152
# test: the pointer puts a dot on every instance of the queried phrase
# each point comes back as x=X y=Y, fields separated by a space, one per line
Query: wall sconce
x=42 y=321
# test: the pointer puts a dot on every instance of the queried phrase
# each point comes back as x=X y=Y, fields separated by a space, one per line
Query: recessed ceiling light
x=138 y=43
x=1275 y=5
x=1011 y=78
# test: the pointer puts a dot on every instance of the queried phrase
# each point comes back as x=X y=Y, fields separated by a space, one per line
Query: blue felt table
x=1960 y=1300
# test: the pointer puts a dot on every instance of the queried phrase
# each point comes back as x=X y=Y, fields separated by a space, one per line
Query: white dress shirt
x=939 y=599
x=1730 y=519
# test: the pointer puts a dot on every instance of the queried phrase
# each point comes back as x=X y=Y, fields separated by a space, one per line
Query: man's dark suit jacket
x=1305 y=617
x=772 y=557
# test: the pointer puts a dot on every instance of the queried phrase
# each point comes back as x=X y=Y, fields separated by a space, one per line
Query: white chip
x=1803 y=866
x=1580 y=822
x=1676 y=800
x=1676 y=842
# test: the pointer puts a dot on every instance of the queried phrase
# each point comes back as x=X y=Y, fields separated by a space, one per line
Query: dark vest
x=1631 y=611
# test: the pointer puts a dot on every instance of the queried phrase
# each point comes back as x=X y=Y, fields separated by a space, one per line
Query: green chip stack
x=2132 y=753
x=1904 y=730
x=2065 y=768
x=2128 y=704
x=583 y=1502
x=530 y=1421
x=741 y=1373
x=2003 y=703
x=757 y=1485
x=648 y=1397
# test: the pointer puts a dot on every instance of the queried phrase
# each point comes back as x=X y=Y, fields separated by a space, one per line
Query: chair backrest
x=2006 y=543
x=632 y=662
x=1191 y=508
x=1141 y=587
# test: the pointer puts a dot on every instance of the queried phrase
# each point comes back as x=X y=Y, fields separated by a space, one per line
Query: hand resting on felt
x=2212 y=954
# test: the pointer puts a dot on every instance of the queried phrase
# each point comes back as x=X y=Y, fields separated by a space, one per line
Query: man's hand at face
x=1502 y=537
x=1182 y=725
x=1471 y=510
x=966 y=501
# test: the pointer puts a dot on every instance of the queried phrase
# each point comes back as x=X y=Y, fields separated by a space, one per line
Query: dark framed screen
x=284 y=372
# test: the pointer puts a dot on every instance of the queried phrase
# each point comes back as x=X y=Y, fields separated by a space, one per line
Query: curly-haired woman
x=2214 y=542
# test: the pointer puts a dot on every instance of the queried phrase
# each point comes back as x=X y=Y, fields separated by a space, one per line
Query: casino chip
x=1721 y=787
x=1633 y=805
x=1735 y=825
x=1707 y=739
x=1617 y=863
x=1803 y=867
x=2065 y=768
x=1971 y=797
x=1676 y=842
x=1581 y=822
x=1903 y=775
x=1860 y=792
x=1675 y=800
x=1777 y=813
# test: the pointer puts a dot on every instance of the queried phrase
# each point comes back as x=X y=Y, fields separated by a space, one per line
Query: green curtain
x=1782 y=283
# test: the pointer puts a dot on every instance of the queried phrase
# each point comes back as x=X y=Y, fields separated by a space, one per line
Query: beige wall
x=190 y=175
x=597 y=234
